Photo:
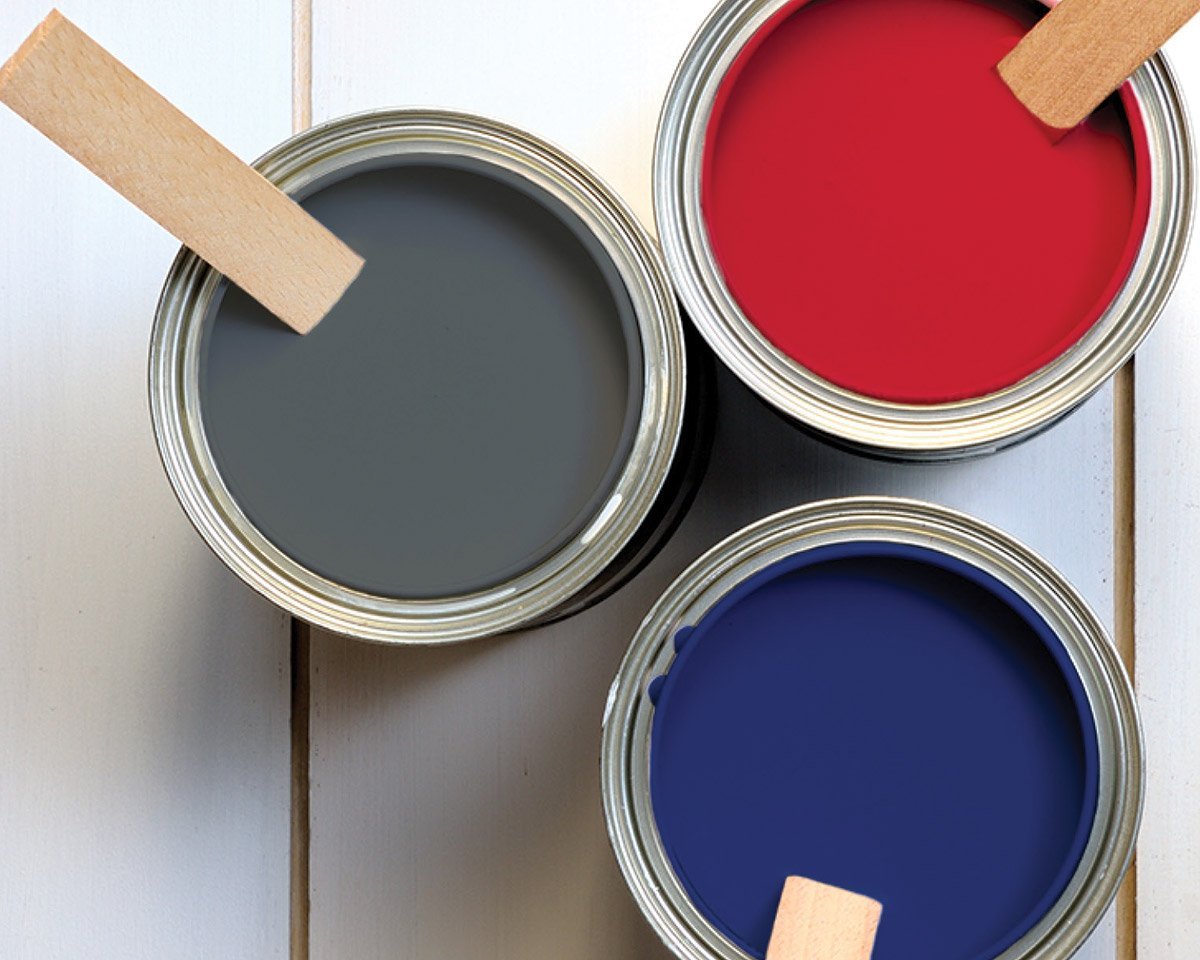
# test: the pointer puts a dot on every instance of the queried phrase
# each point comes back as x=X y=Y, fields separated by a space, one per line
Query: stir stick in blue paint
x=888 y=720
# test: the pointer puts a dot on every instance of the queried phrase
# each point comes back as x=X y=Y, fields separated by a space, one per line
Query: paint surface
x=887 y=720
x=464 y=410
x=887 y=213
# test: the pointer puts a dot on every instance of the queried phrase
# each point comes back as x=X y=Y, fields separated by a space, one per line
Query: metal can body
x=903 y=524
x=862 y=423
x=660 y=469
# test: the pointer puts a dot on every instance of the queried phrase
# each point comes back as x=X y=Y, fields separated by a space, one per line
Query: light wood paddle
x=112 y=122
x=818 y=922
x=1083 y=50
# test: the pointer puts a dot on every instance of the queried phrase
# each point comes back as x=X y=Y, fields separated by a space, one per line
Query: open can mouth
x=812 y=656
x=615 y=530
x=933 y=430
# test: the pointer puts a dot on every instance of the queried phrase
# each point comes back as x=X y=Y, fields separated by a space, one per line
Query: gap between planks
x=298 y=874
x=1124 y=585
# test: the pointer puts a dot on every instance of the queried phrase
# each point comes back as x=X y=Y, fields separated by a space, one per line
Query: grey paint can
x=495 y=426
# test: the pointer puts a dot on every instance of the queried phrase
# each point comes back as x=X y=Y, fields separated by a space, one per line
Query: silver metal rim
x=923 y=432
x=625 y=751
x=174 y=404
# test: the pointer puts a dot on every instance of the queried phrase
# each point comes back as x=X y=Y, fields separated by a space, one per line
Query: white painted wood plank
x=144 y=764
x=1167 y=410
x=455 y=797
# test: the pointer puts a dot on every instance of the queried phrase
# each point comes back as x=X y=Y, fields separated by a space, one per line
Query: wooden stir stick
x=117 y=126
x=818 y=922
x=1082 y=50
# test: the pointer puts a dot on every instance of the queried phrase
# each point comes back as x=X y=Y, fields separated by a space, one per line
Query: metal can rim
x=898 y=430
x=320 y=152
x=624 y=760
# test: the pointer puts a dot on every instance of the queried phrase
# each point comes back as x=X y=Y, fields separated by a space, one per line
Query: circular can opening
x=885 y=719
x=483 y=433
x=876 y=237
x=460 y=415
x=889 y=216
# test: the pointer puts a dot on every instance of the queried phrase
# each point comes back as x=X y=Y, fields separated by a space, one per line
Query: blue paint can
x=883 y=695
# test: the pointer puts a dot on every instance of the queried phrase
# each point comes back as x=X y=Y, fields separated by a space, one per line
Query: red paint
x=889 y=215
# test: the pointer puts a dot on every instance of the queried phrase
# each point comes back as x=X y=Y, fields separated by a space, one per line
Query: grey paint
x=459 y=415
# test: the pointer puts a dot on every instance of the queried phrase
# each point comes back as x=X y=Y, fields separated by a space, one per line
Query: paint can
x=863 y=315
x=500 y=430
x=884 y=695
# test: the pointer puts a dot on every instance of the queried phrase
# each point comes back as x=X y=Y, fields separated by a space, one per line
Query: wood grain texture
x=818 y=922
x=1082 y=50
x=100 y=112
x=143 y=689
x=1167 y=618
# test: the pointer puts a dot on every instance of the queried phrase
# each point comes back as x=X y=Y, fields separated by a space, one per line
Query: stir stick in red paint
x=816 y=921
x=1083 y=50
x=892 y=219
x=112 y=122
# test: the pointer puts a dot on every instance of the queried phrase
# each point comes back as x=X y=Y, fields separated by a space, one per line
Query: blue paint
x=682 y=636
x=882 y=718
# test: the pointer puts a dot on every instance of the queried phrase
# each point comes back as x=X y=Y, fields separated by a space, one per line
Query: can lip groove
x=907 y=431
x=303 y=160
x=625 y=746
